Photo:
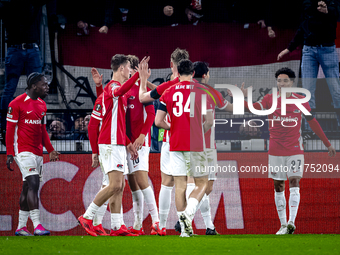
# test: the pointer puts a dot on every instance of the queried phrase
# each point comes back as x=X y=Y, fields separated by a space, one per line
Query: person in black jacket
x=22 y=22
x=317 y=33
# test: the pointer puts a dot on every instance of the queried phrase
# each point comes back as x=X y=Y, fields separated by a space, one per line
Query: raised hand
x=143 y=69
x=97 y=78
x=322 y=7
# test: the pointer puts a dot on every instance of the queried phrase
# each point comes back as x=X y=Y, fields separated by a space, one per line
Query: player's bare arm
x=144 y=74
x=160 y=120
x=9 y=161
x=151 y=85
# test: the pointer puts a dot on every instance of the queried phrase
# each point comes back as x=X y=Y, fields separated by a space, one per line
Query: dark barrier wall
x=241 y=202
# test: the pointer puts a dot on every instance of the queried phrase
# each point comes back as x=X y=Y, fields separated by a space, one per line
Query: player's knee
x=294 y=182
x=209 y=189
x=168 y=181
x=115 y=189
x=279 y=186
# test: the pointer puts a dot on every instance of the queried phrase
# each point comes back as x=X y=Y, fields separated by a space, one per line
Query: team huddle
x=119 y=134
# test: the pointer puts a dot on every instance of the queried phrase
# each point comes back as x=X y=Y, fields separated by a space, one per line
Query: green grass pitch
x=223 y=244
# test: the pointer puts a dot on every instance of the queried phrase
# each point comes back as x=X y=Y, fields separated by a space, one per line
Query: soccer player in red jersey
x=187 y=156
x=285 y=153
x=202 y=75
x=26 y=135
x=93 y=132
x=166 y=172
x=113 y=144
x=139 y=119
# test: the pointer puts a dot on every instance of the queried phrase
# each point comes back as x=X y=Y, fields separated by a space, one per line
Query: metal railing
x=68 y=133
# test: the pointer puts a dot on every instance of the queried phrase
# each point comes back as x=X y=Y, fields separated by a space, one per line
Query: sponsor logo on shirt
x=10 y=110
x=38 y=122
x=9 y=116
x=131 y=106
x=28 y=112
x=120 y=166
x=288 y=119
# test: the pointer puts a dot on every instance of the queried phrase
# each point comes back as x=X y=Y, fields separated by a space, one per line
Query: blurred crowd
x=104 y=13
x=60 y=129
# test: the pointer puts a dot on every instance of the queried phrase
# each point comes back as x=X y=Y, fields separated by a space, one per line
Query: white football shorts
x=105 y=180
x=165 y=159
x=281 y=167
x=113 y=158
x=188 y=163
x=29 y=164
x=141 y=163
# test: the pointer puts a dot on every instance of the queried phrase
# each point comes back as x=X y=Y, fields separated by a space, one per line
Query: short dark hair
x=134 y=61
x=201 y=68
x=33 y=78
x=285 y=70
x=185 y=67
x=118 y=60
x=178 y=55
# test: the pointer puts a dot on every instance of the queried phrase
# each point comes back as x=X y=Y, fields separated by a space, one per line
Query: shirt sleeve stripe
x=15 y=121
x=223 y=107
x=94 y=116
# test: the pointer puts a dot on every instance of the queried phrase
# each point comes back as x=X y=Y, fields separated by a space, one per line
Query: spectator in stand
x=22 y=22
x=86 y=124
x=78 y=130
x=317 y=33
x=99 y=15
x=57 y=129
x=159 y=13
x=256 y=13
x=249 y=131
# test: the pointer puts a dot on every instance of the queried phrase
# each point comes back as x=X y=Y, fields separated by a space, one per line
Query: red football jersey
x=157 y=93
x=30 y=118
x=285 y=138
x=139 y=117
x=186 y=123
x=95 y=123
x=165 y=85
x=209 y=136
x=113 y=130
